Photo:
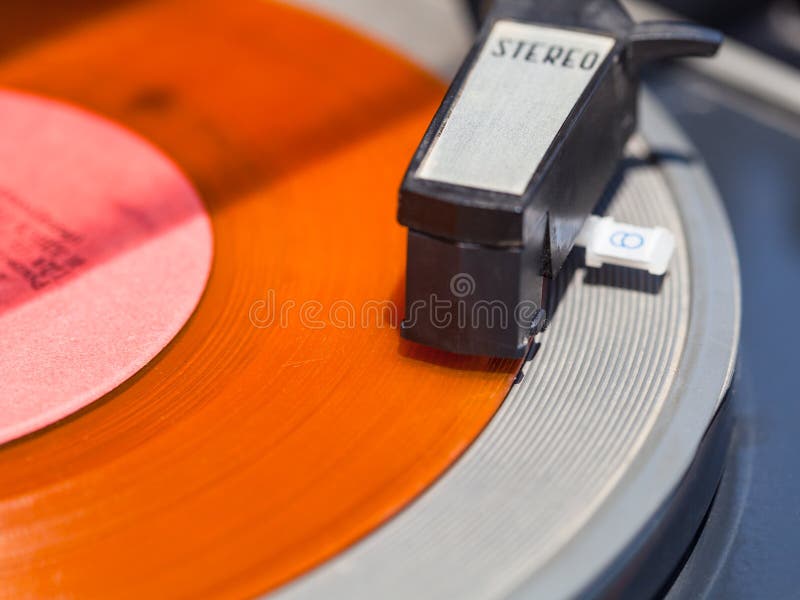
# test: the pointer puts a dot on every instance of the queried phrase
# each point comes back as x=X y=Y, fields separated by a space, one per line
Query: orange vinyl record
x=287 y=419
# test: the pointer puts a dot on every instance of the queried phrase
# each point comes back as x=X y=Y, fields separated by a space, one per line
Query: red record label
x=105 y=249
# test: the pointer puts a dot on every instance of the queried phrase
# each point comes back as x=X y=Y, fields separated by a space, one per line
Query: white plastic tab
x=612 y=243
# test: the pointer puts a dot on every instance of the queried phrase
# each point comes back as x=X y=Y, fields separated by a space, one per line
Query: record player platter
x=206 y=392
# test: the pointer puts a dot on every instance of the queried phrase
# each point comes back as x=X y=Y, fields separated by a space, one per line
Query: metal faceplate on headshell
x=516 y=98
x=515 y=160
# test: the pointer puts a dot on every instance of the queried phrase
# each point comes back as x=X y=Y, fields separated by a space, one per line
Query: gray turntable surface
x=750 y=545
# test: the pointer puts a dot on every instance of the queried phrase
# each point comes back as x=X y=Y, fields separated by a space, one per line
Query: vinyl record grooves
x=248 y=451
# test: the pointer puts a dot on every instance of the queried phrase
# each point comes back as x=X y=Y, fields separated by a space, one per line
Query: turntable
x=206 y=392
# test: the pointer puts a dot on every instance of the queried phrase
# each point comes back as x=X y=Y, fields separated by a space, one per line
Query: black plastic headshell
x=527 y=138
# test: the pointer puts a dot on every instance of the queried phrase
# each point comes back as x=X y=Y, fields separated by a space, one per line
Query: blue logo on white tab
x=627 y=240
